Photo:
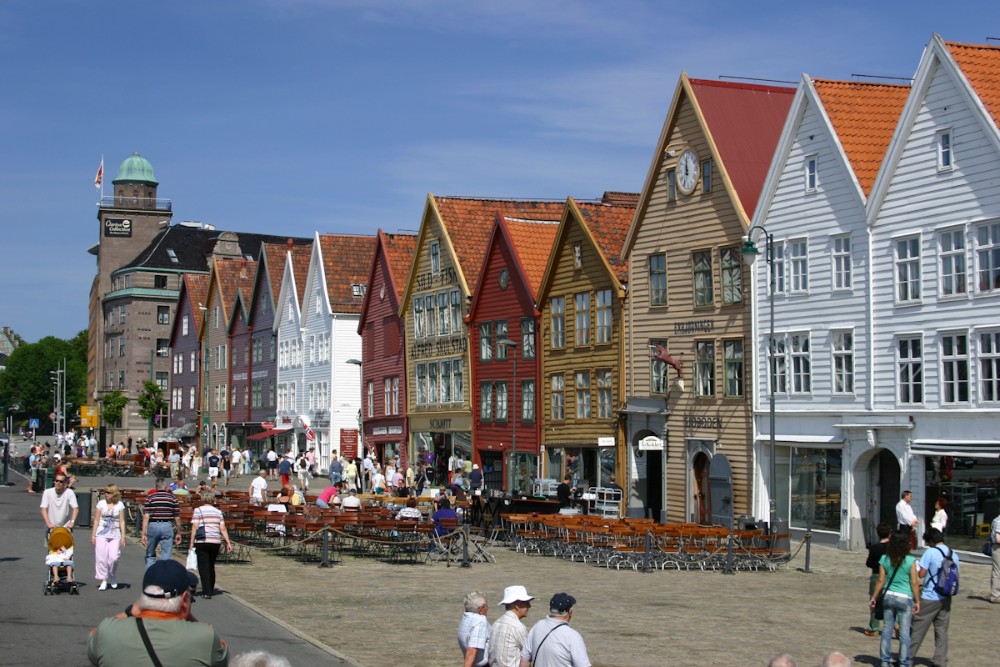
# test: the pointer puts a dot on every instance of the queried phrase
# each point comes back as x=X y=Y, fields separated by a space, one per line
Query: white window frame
x=989 y=366
x=906 y=269
x=810 y=172
x=987 y=257
x=798 y=260
x=842 y=262
x=842 y=351
x=800 y=354
x=955 y=369
x=944 y=148
x=953 y=263
x=527 y=401
x=912 y=380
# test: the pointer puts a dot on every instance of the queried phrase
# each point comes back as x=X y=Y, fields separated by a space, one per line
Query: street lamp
x=750 y=253
x=512 y=411
x=206 y=356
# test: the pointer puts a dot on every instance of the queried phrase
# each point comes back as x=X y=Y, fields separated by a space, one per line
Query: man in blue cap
x=552 y=642
x=159 y=627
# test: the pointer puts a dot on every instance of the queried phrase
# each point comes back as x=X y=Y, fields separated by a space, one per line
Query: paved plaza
x=367 y=612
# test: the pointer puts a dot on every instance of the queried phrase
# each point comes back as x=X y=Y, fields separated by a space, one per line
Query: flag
x=310 y=434
x=99 y=179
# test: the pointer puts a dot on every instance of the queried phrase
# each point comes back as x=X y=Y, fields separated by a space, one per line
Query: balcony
x=135 y=203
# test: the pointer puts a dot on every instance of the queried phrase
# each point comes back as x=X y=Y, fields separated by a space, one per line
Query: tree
x=151 y=403
x=27 y=382
x=112 y=406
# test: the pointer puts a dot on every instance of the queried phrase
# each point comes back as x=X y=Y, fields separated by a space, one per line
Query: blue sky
x=296 y=116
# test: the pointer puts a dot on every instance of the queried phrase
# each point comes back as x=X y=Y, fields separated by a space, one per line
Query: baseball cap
x=561 y=603
x=170 y=576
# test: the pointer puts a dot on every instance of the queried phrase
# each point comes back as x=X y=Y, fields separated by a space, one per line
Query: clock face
x=687 y=171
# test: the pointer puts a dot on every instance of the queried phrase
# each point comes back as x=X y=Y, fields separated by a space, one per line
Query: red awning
x=267 y=434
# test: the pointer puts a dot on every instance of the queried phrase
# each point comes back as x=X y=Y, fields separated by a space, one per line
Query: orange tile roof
x=745 y=122
x=533 y=241
x=197 y=290
x=981 y=65
x=277 y=255
x=234 y=276
x=864 y=116
x=347 y=259
x=469 y=223
x=399 y=250
x=609 y=225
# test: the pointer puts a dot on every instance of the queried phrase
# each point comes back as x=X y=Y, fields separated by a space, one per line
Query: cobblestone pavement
x=378 y=613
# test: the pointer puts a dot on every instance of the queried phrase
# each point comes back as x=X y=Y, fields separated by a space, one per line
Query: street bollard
x=730 y=567
x=465 y=546
x=325 y=561
x=649 y=549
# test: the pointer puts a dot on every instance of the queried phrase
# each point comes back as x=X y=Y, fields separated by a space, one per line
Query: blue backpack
x=946 y=579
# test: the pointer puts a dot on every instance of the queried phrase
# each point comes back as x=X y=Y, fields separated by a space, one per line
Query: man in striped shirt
x=161 y=522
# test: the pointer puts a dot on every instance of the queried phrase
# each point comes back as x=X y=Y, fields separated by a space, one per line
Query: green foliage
x=27 y=383
x=151 y=401
x=113 y=404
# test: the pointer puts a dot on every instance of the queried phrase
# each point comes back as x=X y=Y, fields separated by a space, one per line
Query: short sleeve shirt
x=59 y=507
x=474 y=632
x=931 y=562
x=563 y=648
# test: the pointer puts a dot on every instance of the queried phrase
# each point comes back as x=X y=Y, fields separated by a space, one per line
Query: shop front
x=587 y=463
x=387 y=439
x=440 y=444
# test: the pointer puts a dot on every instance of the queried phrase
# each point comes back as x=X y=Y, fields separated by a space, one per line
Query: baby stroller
x=59 y=563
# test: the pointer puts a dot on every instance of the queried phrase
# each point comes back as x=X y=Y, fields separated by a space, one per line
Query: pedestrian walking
x=935 y=608
x=474 y=631
x=161 y=522
x=898 y=576
x=208 y=532
x=509 y=633
x=108 y=537
x=995 y=552
x=552 y=642
x=875 y=553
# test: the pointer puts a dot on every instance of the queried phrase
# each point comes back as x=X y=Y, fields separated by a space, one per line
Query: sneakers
x=113 y=582
x=872 y=633
x=103 y=586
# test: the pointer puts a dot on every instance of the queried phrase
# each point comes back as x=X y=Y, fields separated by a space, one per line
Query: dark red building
x=505 y=390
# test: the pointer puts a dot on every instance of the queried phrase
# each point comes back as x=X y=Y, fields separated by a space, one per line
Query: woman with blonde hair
x=209 y=520
x=108 y=537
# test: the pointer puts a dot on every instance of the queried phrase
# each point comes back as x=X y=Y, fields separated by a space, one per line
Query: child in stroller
x=60 y=563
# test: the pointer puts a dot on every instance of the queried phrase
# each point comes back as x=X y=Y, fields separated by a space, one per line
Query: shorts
x=213 y=472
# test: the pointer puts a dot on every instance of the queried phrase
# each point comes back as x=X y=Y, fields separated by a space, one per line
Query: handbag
x=879 y=609
x=199 y=535
x=192 y=561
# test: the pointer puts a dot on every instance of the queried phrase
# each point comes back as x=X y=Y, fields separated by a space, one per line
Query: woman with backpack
x=901 y=597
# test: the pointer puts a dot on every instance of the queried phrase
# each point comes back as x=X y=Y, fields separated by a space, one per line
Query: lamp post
x=750 y=253
x=512 y=411
x=205 y=389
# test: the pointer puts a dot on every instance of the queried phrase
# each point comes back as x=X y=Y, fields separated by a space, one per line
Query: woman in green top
x=898 y=575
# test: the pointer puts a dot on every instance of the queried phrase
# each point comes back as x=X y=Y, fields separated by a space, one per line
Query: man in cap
x=162 y=617
x=552 y=642
x=474 y=631
x=351 y=502
x=508 y=633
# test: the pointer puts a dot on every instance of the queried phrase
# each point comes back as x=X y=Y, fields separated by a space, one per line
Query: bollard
x=325 y=561
x=465 y=546
x=808 y=538
x=649 y=549
x=730 y=567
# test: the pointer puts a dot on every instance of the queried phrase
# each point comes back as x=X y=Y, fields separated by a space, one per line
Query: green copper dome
x=135 y=169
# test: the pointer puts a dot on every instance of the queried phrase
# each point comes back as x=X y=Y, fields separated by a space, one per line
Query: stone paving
x=378 y=613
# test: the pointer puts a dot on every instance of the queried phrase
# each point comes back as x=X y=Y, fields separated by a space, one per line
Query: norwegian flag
x=310 y=434
x=99 y=179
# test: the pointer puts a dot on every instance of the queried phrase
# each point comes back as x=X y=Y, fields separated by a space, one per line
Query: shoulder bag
x=149 y=644
x=880 y=600
x=538 y=648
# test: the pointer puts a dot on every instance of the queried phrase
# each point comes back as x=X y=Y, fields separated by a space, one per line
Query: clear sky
x=296 y=116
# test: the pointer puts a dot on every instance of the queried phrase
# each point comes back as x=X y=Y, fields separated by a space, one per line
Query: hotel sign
x=118 y=227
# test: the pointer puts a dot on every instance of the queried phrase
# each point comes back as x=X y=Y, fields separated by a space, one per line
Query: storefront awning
x=803 y=439
x=989 y=449
x=267 y=434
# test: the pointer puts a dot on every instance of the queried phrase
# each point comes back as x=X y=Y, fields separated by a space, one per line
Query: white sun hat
x=513 y=594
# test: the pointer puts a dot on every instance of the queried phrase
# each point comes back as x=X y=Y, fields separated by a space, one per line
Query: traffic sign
x=33 y=424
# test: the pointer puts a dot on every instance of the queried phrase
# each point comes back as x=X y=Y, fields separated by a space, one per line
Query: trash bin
x=85 y=501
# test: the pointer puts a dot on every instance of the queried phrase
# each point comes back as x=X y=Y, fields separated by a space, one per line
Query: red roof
x=864 y=116
x=609 y=225
x=277 y=255
x=981 y=65
x=347 y=259
x=744 y=121
x=532 y=241
x=233 y=276
x=196 y=285
x=468 y=223
x=399 y=249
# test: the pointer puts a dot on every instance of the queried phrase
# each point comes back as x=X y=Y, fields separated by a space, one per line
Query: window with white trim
x=486 y=341
x=557 y=314
x=910 y=370
x=500 y=390
x=671 y=185
x=456 y=310
x=558 y=389
x=801 y=356
x=945 y=158
x=432 y=382
x=706 y=176
x=843 y=362
x=908 y=270
x=955 y=368
x=501 y=333
x=603 y=329
x=704 y=368
x=582 y=331
x=989 y=366
x=583 y=394
x=811 y=173
x=798 y=257
x=842 y=265
x=732 y=352
x=604 y=403
x=527 y=338
x=444 y=321
x=444 y=381
x=418 y=317
x=952 y=257
x=778 y=268
x=371 y=398
x=988 y=257
x=528 y=401
x=778 y=365
x=430 y=322
x=486 y=401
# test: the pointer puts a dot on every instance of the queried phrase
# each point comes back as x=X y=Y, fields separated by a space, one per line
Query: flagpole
x=102 y=180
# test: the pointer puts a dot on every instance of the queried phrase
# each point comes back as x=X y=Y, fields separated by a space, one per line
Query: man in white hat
x=508 y=633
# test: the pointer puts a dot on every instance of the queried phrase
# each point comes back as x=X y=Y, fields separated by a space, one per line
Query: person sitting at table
x=409 y=512
x=325 y=498
x=351 y=502
x=296 y=497
x=444 y=511
x=284 y=498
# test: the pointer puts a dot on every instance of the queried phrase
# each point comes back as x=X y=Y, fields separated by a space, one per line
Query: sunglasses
x=60 y=481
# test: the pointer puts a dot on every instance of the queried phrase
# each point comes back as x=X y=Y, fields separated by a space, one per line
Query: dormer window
x=435 y=257
x=944 y=155
x=358 y=290
x=173 y=256
x=811 y=174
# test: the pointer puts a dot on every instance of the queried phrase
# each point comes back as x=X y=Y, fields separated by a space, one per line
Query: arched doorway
x=649 y=450
x=883 y=492
x=700 y=467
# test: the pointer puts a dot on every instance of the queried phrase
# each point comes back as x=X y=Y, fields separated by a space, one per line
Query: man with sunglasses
x=59 y=506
